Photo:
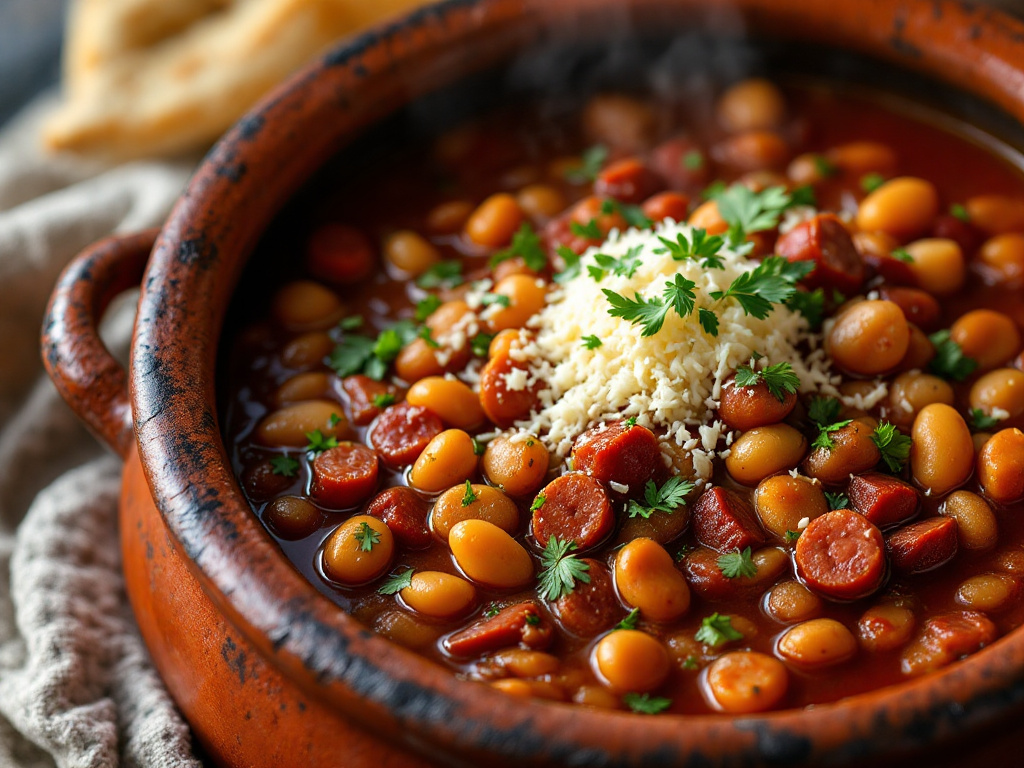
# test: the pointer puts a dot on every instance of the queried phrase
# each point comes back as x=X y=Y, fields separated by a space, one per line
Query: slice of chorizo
x=344 y=476
x=619 y=453
x=507 y=394
x=519 y=624
x=826 y=243
x=946 y=638
x=841 y=555
x=575 y=508
x=406 y=515
x=361 y=391
x=591 y=607
x=724 y=521
x=402 y=431
x=882 y=499
x=923 y=546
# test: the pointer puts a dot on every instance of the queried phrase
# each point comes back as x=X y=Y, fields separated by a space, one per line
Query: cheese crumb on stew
x=670 y=381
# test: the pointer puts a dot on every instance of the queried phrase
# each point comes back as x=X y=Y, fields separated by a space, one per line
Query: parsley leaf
x=716 y=630
x=590 y=230
x=383 y=400
x=285 y=466
x=591 y=162
x=700 y=248
x=747 y=211
x=981 y=421
x=351 y=322
x=667 y=498
x=624 y=267
x=633 y=214
x=446 y=274
x=679 y=294
x=792 y=536
x=481 y=343
x=645 y=704
x=737 y=564
x=949 y=361
x=538 y=502
x=426 y=307
x=894 y=446
x=396 y=582
x=631 y=620
x=771 y=282
x=318 y=443
x=495 y=298
x=823 y=410
x=708 y=321
x=902 y=254
x=825 y=167
x=692 y=160
x=468 y=497
x=824 y=430
x=350 y=355
x=591 y=342
x=560 y=569
x=810 y=304
x=367 y=537
x=838 y=500
x=869 y=182
x=630 y=422
x=690 y=662
x=959 y=211
x=648 y=313
x=478 y=447
x=525 y=243
x=492 y=611
x=780 y=379
x=572 y=265
x=334 y=420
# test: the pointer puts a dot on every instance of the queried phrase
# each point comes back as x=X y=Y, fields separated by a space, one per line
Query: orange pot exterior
x=270 y=672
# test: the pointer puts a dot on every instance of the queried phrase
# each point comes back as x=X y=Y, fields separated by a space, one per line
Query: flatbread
x=153 y=77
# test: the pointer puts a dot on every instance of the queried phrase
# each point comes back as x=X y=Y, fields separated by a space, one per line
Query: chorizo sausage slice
x=503 y=399
x=402 y=431
x=724 y=521
x=519 y=624
x=628 y=180
x=590 y=608
x=946 y=638
x=923 y=546
x=840 y=555
x=619 y=453
x=576 y=508
x=882 y=499
x=405 y=514
x=361 y=391
x=824 y=241
x=344 y=476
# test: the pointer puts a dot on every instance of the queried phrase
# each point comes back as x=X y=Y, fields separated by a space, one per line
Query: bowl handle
x=87 y=376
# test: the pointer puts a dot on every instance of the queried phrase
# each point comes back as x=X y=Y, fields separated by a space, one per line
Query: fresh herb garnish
x=591 y=342
x=572 y=265
x=481 y=343
x=716 y=630
x=708 y=321
x=810 y=304
x=285 y=466
x=981 y=421
x=633 y=214
x=780 y=379
x=501 y=299
x=650 y=314
x=358 y=354
x=838 y=500
x=692 y=160
x=869 y=182
x=590 y=230
x=468 y=497
x=823 y=410
x=959 y=211
x=560 y=569
x=624 y=267
x=478 y=447
x=591 y=161
x=734 y=565
x=444 y=274
x=397 y=582
x=773 y=281
x=700 y=247
x=333 y=420
x=667 y=498
x=367 y=537
x=525 y=244
x=825 y=167
x=426 y=307
x=893 y=445
x=950 y=362
x=824 y=439
x=747 y=211
x=631 y=620
x=690 y=662
x=492 y=611
x=538 y=502
x=351 y=323
x=383 y=400
x=902 y=254
x=792 y=536
x=645 y=704
x=318 y=442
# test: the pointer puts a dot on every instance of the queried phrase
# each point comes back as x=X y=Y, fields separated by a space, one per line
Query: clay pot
x=268 y=671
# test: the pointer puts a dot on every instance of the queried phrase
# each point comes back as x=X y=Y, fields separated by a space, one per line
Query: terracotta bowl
x=268 y=671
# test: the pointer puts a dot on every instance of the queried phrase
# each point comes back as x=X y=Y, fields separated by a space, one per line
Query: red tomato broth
x=256 y=372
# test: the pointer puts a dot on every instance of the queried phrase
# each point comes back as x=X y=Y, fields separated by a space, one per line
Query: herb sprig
x=667 y=498
x=561 y=569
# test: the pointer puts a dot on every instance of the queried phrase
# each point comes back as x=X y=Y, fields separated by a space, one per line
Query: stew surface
x=514 y=416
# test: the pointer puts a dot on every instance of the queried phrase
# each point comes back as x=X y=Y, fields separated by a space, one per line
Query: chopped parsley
x=792 y=536
x=838 y=500
x=590 y=230
x=426 y=307
x=495 y=298
x=591 y=342
x=334 y=420
x=492 y=611
x=902 y=254
x=367 y=537
x=591 y=161
x=692 y=160
x=481 y=343
x=869 y=182
x=716 y=630
x=981 y=421
x=532 y=619
x=708 y=321
x=690 y=662
x=478 y=447
x=538 y=502
x=285 y=466
x=747 y=211
x=633 y=214
x=824 y=439
x=779 y=379
x=734 y=565
x=572 y=265
x=823 y=410
x=525 y=244
x=631 y=620
x=444 y=274
x=359 y=354
x=318 y=442
x=624 y=267
x=959 y=211
x=645 y=704
x=650 y=314
x=773 y=281
x=468 y=497
x=950 y=362
x=701 y=248
x=667 y=498
x=560 y=569
x=396 y=582
x=427 y=335
x=810 y=304
x=825 y=167
x=351 y=323
x=630 y=422
x=383 y=400
x=893 y=445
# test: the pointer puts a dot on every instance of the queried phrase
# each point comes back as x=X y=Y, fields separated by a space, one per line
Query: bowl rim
x=197 y=260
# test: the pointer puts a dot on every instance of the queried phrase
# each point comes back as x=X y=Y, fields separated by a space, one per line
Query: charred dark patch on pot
x=197 y=251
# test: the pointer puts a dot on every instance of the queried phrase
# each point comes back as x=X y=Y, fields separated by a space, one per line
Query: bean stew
x=655 y=412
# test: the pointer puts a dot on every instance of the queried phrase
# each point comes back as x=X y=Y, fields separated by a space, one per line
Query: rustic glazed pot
x=268 y=671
